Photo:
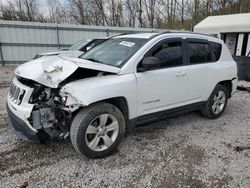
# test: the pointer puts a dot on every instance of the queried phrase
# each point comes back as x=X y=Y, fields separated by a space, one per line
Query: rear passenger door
x=201 y=57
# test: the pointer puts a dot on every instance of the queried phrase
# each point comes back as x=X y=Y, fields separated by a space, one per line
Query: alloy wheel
x=102 y=132
x=218 y=102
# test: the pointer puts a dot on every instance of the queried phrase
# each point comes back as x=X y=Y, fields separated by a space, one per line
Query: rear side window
x=203 y=52
x=199 y=52
x=215 y=51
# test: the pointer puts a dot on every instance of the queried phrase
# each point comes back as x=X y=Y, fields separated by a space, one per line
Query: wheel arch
x=119 y=102
x=228 y=85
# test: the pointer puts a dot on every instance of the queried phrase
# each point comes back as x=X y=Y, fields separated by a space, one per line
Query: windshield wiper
x=94 y=60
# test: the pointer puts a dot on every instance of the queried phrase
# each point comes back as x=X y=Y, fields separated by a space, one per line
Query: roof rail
x=169 y=31
x=178 y=31
x=164 y=32
x=161 y=33
x=135 y=32
x=121 y=34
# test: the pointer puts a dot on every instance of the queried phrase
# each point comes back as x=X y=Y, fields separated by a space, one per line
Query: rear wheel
x=216 y=103
x=97 y=130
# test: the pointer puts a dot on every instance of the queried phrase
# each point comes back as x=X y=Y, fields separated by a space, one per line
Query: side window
x=169 y=53
x=215 y=51
x=92 y=45
x=97 y=42
x=199 y=52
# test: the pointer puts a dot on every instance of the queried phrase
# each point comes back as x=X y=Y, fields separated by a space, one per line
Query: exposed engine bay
x=50 y=115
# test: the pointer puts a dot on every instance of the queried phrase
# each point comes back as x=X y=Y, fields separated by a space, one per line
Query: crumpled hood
x=52 y=70
x=69 y=53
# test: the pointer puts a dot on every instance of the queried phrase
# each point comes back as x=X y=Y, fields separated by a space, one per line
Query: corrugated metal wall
x=21 y=41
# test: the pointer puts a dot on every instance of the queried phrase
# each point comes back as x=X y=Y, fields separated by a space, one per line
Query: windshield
x=114 y=51
x=79 y=45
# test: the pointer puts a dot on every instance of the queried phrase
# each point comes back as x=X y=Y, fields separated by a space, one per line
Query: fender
x=87 y=91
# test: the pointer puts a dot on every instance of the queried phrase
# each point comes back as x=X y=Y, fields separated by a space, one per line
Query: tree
x=170 y=14
x=150 y=7
x=77 y=10
x=98 y=12
x=24 y=10
x=131 y=9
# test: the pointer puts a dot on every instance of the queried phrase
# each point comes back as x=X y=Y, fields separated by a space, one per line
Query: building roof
x=224 y=24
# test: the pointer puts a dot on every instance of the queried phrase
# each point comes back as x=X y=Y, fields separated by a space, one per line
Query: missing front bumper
x=20 y=128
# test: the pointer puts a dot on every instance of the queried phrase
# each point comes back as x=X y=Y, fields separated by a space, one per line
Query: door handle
x=181 y=74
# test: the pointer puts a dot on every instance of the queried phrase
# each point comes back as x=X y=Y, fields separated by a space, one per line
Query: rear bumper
x=20 y=128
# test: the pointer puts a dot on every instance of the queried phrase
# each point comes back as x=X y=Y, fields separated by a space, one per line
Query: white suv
x=125 y=81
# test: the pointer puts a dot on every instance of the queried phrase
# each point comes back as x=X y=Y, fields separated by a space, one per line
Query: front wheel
x=216 y=103
x=97 y=130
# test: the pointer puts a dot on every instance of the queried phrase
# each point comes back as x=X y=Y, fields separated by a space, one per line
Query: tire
x=97 y=130
x=215 y=106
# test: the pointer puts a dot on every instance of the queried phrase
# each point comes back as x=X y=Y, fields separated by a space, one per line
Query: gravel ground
x=186 y=151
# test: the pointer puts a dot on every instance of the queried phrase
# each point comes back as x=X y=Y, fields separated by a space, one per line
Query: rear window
x=215 y=51
x=200 y=52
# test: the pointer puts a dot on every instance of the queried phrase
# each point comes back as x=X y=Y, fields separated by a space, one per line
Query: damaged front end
x=48 y=116
x=36 y=108
x=36 y=112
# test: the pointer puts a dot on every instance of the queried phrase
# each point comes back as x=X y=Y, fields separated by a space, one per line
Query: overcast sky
x=42 y=3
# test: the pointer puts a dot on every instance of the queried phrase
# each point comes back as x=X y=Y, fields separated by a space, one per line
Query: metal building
x=21 y=41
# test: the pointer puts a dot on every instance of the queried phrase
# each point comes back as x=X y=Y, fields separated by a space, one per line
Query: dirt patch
x=4 y=84
x=2 y=125
x=193 y=155
x=184 y=161
x=222 y=181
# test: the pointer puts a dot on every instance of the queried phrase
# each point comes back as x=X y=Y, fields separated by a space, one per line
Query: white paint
x=24 y=110
x=233 y=23
x=51 y=70
x=47 y=70
x=248 y=46
x=239 y=44
x=154 y=91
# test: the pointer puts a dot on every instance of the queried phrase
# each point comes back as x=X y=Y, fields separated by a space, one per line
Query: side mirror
x=150 y=63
